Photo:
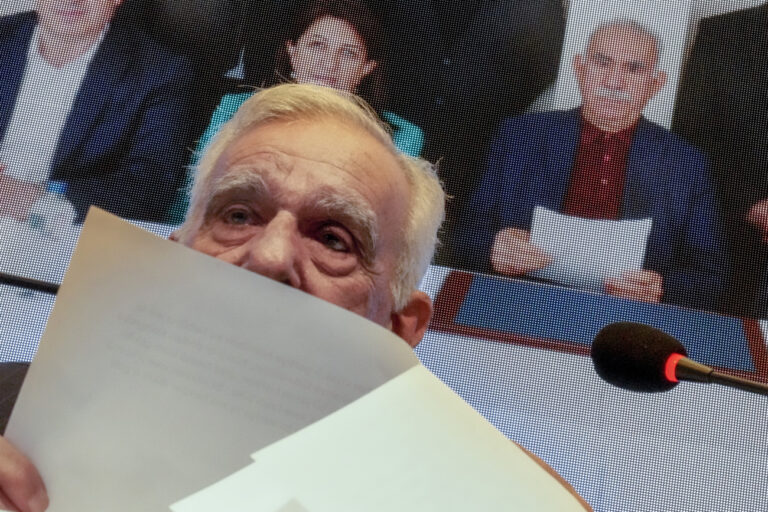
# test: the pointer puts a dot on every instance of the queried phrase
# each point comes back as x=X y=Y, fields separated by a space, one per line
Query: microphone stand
x=739 y=383
x=697 y=372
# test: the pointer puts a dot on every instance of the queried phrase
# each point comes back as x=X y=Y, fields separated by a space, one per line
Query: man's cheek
x=203 y=243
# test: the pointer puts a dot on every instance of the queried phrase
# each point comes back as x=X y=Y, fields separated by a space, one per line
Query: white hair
x=632 y=24
x=292 y=102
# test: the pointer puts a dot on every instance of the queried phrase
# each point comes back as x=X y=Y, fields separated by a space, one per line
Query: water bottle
x=52 y=214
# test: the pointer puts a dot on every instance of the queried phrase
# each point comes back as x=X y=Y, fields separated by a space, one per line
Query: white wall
x=668 y=18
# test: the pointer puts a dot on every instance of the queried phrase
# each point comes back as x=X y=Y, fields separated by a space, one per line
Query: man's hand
x=512 y=253
x=758 y=217
x=17 y=197
x=644 y=285
x=21 y=487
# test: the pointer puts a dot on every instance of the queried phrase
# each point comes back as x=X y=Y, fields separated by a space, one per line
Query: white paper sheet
x=161 y=369
x=586 y=251
x=252 y=489
x=411 y=444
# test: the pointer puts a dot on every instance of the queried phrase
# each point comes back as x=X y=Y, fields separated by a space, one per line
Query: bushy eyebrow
x=638 y=64
x=240 y=181
x=353 y=213
x=346 y=208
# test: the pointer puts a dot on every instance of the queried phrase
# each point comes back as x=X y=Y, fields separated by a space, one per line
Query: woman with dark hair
x=306 y=56
x=336 y=43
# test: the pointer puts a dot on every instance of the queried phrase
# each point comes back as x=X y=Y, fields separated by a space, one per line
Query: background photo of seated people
x=603 y=159
x=93 y=104
x=480 y=81
x=335 y=43
x=458 y=68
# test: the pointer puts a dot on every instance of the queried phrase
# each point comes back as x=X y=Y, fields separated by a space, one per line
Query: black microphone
x=639 y=357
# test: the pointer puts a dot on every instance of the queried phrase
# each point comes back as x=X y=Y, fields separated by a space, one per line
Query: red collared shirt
x=596 y=188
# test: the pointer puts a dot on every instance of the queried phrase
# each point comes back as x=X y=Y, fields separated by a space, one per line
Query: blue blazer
x=530 y=164
x=124 y=144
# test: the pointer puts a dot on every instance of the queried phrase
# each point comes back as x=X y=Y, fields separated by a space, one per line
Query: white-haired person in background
x=603 y=160
x=305 y=186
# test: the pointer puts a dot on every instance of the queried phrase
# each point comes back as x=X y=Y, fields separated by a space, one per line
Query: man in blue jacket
x=94 y=104
x=603 y=161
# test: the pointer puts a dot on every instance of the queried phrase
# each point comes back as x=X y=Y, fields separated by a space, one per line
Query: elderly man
x=305 y=187
x=602 y=161
x=91 y=103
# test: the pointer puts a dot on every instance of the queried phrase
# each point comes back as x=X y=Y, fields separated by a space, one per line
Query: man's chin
x=612 y=115
x=65 y=28
x=613 y=107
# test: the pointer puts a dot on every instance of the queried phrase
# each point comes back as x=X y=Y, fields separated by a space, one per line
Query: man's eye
x=238 y=216
x=350 y=53
x=601 y=60
x=334 y=241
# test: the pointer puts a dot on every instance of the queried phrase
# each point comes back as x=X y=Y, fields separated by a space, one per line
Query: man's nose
x=331 y=62
x=275 y=251
x=615 y=78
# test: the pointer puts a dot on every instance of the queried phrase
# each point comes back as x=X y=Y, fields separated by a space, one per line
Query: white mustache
x=613 y=94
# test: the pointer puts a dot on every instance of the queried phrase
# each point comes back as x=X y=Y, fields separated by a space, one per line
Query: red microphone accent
x=671 y=365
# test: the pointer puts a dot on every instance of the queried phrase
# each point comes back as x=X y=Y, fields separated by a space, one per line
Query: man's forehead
x=625 y=41
x=319 y=154
x=285 y=145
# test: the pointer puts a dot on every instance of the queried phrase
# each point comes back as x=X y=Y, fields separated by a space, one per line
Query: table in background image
x=556 y=318
x=27 y=253
x=518 y=356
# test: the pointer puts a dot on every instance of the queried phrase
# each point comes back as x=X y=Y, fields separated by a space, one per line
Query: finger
x=538 y=255
x=20 y=481
x=520 y=265
x=523 y=248
x=630 y=290
x=523 y=257
x=653 y=279
x=637 y=277
x=624 y=284
x=645 y=278
x=519 y=234
x=5 y=503
x=533 y=255
x=536 y=262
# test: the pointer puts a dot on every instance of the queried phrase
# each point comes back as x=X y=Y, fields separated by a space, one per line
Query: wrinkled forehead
x=626 y=41
x=267 y=173
x=312 y=160
x=329 y=148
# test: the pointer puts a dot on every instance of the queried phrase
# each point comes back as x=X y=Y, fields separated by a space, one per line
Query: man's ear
x=578 y=67
x=410 y=323
x=659 y=80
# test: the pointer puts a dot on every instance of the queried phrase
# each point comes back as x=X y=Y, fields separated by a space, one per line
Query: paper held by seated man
x=586 y=252
x=162 y=369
